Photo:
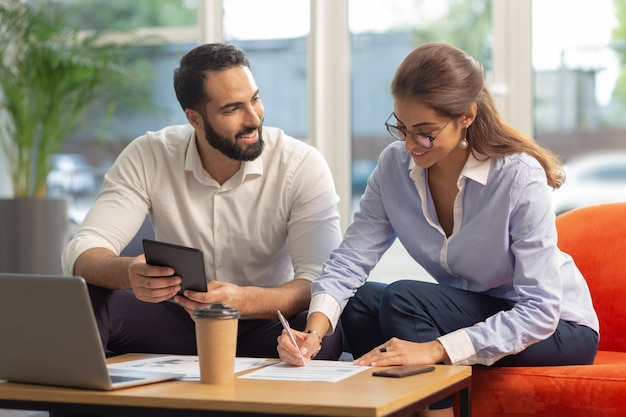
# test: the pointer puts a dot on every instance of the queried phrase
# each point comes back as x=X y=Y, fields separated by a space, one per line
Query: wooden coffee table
x=361 y=395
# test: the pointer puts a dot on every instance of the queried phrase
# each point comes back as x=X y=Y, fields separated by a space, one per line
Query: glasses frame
x=422 y=139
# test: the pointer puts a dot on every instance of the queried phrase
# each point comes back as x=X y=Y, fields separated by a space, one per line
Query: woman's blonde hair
x=449 y=80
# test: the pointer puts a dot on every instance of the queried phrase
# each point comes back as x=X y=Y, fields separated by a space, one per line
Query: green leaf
x=50 y=73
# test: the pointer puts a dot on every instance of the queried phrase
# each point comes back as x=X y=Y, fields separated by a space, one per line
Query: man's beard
x=231 y=149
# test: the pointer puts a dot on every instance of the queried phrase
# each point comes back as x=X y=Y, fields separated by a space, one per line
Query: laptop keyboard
x=116 y=379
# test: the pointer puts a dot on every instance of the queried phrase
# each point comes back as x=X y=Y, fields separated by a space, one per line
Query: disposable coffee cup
x=216 y=339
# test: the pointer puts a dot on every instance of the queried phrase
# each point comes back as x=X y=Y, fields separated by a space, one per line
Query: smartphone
x=405 y=370
x=188 y=263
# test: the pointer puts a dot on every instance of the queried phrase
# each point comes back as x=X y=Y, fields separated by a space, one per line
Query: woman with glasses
x=468 y=196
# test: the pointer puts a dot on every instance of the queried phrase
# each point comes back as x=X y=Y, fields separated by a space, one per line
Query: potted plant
x=49 y=75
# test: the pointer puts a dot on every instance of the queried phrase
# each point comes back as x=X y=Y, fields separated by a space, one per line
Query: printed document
x=189 y=368
x=315 y=370
x=187 y=365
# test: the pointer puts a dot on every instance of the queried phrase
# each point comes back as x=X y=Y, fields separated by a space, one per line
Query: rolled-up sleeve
x=123 y=191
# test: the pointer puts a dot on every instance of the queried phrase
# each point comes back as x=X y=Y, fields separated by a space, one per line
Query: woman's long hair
x=449 y=80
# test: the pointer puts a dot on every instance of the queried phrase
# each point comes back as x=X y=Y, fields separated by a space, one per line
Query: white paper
x=186 y=365
x=315 y=370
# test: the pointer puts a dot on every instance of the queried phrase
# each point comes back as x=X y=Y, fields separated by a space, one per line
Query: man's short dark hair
x=190 y=77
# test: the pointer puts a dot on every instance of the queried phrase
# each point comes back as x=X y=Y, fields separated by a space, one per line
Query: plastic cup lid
x=216 y=311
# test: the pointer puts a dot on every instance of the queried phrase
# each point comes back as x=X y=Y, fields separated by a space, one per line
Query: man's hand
x=217 y=292
x=255 y=302
x=151 y=283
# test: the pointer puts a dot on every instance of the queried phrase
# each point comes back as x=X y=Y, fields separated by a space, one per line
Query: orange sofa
x=595 y=237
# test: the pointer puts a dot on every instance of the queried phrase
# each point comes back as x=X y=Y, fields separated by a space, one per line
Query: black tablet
x=188 y=263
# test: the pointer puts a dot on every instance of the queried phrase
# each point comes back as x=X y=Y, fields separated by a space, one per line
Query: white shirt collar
x=193 y=163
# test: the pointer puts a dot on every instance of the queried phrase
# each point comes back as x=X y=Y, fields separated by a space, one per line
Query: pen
x=288 y=329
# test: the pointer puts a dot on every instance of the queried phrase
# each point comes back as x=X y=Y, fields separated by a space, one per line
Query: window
x=580 y=95
x=277 y=49
x=576 y=74
x=162 y=31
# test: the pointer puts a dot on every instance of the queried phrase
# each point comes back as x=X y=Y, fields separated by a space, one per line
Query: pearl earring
x=464 y=144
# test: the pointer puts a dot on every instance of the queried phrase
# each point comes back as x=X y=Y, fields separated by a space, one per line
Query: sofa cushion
x=595 y=237
x=581 y=391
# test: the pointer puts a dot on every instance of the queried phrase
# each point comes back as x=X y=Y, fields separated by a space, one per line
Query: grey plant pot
x=33 y=232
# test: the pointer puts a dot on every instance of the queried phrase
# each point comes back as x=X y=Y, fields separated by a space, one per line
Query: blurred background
x=556 y=68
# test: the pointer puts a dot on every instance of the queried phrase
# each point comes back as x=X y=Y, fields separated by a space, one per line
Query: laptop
x=50 y=336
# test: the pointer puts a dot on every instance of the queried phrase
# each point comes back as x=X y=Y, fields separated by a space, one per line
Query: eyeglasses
x=422 y=139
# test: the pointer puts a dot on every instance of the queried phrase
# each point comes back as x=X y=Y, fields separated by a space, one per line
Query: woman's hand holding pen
x=308 y=343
